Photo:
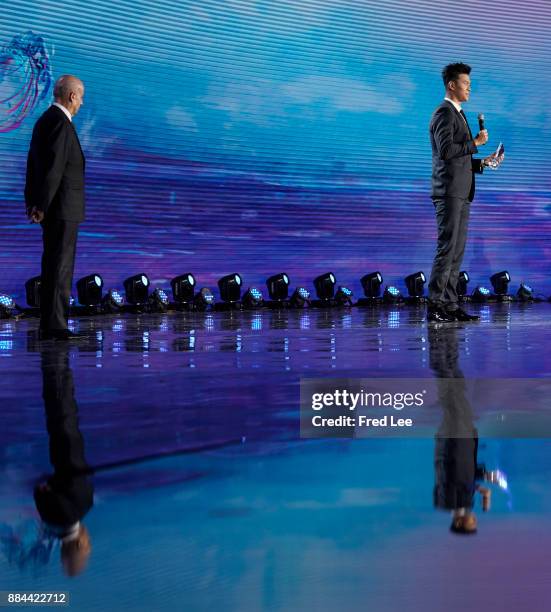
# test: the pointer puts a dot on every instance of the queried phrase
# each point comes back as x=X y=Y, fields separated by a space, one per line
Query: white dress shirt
x=456 y=105
x=458 y=109
x=67 y=113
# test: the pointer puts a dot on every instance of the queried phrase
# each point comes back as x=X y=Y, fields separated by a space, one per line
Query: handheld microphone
x=481 y=121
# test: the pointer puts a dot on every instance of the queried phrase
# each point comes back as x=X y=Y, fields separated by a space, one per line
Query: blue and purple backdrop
x=259 y=136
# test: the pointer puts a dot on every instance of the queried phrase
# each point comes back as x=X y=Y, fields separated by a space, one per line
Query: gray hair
x=65 y=85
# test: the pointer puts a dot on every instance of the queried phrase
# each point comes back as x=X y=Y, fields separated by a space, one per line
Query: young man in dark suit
x=54 y=197
x=453 y=188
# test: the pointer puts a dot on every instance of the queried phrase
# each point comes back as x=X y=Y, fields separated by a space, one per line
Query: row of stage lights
x=92 y=299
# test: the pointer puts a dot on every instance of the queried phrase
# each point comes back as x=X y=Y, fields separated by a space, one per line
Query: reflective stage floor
x=170 y=446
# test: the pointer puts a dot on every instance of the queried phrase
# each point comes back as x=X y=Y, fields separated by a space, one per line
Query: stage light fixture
x=112 y=301
x=480 y=294
x=230 y=288
x=253 y=298
x=183 y=288
x=462 y=282
x=344 y=296
x=203 y=299
x=158 y=300
x=392 y=295
x=89 y=290
x=7 y=307
x=371 y=284
x=32 y=291
x=136 y=289
x=525 y=293
x=415 y=284
x=278 y=287
x=6 y=301
x=300 y=298
x=325 y=286
x=500 y=282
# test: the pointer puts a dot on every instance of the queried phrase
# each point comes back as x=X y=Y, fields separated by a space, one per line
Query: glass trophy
x=494 y=163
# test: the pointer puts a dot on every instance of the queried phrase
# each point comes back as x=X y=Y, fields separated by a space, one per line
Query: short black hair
x=451 y=72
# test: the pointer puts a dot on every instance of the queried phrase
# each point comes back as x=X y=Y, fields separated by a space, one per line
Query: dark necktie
x=466 y=123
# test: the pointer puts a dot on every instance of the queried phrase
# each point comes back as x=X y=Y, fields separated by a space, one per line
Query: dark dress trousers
x=55 y=185
x=453 y=188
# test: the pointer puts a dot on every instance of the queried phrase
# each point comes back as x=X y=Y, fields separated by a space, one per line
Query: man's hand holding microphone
x=481 y=138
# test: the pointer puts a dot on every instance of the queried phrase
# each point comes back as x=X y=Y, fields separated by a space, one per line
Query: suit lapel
x=58 y=110
x=463 y=122
x=467 y=124
x=78 y=141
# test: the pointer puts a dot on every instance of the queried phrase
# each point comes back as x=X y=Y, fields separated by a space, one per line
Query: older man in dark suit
x=453 y=188
x=54 y=197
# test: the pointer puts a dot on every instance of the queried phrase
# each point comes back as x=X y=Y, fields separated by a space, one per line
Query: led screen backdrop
x=261 y=136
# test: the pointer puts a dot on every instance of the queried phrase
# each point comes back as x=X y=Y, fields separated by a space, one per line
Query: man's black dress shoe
x=461 y=315
x=437 y=315
x=59 y=334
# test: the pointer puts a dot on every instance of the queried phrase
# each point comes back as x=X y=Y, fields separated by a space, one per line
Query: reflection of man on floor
x=66 y=496
x=457 y=476
x=457 y=472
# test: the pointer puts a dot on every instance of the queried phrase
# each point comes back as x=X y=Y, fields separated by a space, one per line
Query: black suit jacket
x=453 y=166
x=55 y=168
